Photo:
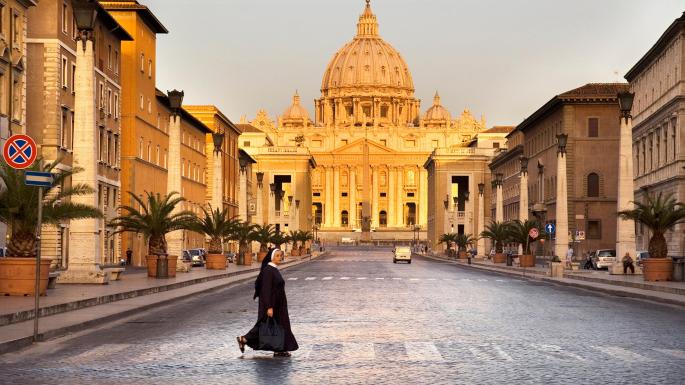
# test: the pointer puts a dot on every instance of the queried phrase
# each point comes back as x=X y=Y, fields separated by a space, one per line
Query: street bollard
x=469 y=260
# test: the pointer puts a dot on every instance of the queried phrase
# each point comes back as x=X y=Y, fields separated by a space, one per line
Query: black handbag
x=271 y=335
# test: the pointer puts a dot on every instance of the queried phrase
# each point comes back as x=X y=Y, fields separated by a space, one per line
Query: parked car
x=401 y=253
x=230 y=256
x=198 y=257
x=604 y=258
x=186 y=256
x=641 y=256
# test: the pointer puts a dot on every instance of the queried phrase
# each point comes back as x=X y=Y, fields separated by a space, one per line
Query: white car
x=604 y=258
x=401 y=253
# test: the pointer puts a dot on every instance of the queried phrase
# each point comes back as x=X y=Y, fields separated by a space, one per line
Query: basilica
x=355 y=170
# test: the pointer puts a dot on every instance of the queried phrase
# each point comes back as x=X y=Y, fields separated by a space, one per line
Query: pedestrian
x=129 y=256
x=628 y=264
x=270 y=288
x=569 y=257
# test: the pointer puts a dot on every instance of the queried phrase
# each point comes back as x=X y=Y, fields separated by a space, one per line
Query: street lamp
x=466 y=195
x=175 y=100
x=272 y=187
x=524 y=164
x=625 y=104
x=85 y=13
x=218 y=138
x=447 y=201
x=499 y=178
x=243 y=164
x=260 y=179
x=481 y=188
x=562 y=141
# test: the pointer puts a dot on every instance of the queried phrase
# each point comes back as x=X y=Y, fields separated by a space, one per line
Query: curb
x=16 y=344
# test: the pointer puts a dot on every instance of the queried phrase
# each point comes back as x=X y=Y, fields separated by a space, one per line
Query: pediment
x=357 y=148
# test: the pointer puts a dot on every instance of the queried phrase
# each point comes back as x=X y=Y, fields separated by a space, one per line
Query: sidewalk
x=632 y=286
x=70 y=307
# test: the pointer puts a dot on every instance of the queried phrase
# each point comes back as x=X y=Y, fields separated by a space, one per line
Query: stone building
x=507 y=163
x=368 y=140
x=659 y=126
x=51 y=99
x=589 y=115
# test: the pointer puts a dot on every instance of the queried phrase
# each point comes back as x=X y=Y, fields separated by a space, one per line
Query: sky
x=499 y=58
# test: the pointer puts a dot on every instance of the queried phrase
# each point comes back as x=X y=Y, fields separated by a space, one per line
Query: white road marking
x=431 y=279
x=482 y=280
x=344 y=278
x=397 y=278
x=672 y=352
x=380 y=278
x=466 y=279
x=303 y=352
x=292 y=279
x=500 y=280
x=326 y=278
x=489 y=352
x=556 y=352
x=360 y=278
x=502 y=353
x=97 y=352
x=310 y=278
x=359 y=350
x=414 y=279
x=422 y=351
x=622 y=354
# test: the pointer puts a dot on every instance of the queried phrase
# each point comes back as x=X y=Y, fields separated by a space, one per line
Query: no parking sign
x=19 y=151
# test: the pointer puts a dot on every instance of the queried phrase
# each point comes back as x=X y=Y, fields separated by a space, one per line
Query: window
x=594 y=229
x=495 y=145
x=71 y=130
x=16 y=100
x=73 y=78
x=317 y=194
x=384 y=142
x=593 y=127
x=383 y=219
x=593 y=185
x=149 y=151
x=116 y=106
x=2 y=15
x=384 y=111
x=102 y=96
x=140 y=148
x=16 y=26
x=65 y=72
x=109 y=102
x=116 y=61
x=246 y=143
x=142 y=102
x=183 y=167
x=101 y=144
x=410 y=195
x=109 y=56
x=64 y=125
x=383 y=195
x=142 y=62
x=166 y=156
x=110 y=149
x=149 y=106
x=65 y=17
x=116 y=151
x=344 y=218
x=344 y=194
x=157 y=156
x=149 y=68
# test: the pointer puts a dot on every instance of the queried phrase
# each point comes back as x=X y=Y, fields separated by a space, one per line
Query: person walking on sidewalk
x=569 y=257
x=628 y=264
x=129 y=255
x=270 y=288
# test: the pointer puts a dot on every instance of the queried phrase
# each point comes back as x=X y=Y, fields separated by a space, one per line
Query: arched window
x=344 y=218
x=383 y=219
x=593 y=185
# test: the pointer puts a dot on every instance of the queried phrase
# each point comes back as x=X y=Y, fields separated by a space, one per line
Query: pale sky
x=501 y=58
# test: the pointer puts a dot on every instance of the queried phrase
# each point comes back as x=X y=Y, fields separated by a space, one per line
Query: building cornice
x=676 y=28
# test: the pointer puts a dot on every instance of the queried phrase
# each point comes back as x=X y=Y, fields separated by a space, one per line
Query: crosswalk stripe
x=361 y=278
x=344 y=278
x=489 y=352
x=292 y=279
x=672 y=352
x=310 y=278
x=502 y=353
x=500 y=280
x=397 y=278
x=482 y=280
x=97 y=352
x=359 y=350
x=431 y=279
x=422 y=351
x=326 y=278
x=621 y=353
x=414 y=279
x=380 y=278
x=556 y=352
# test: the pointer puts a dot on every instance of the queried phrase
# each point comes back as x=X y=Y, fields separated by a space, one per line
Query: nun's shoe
x=241 y=343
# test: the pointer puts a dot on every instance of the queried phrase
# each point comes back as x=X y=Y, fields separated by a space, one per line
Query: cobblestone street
x=360 y=319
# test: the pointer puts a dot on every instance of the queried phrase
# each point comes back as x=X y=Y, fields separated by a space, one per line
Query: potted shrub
x=155 y=219
x=463 y=241
x=556 y=267
x=498 y=233
x=305 y=237
x=519 y=234
x=243 y=233
x=296 y=237
x=659 y=215
x=215 y=225
x=447 y=239
x=279 y=238
x=263 y=235
x=19 y=211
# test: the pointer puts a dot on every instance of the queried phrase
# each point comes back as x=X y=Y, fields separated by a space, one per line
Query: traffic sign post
x=550 y=228
x=20 y=151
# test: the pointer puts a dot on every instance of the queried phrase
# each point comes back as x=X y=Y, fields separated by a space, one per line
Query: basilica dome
x=437 y=111
x=295 y=110
x=368 y=64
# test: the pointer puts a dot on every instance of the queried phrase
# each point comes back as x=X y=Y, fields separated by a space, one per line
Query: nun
x=270 y=288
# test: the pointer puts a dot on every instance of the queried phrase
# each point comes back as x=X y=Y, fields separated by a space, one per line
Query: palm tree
x=519 y=233
x=305 y=236
x=498 y=233
x=19 y=205
x=154 y=219
x=447 y=239
x=243 y=233
x=263 y=234
x=279 y=238
x=216 y=225
x=464 y=240
x=659 y=215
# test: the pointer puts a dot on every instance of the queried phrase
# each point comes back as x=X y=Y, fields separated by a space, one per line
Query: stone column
x=561 y=243
x=85 y=257
x=242 y=196
x=392 y=197
x=218 y=185
x=174 y=184
x=399 y=198
x=336 y=196
x=374 y=196
x=423 y=198
x=523 y=195
x=328 y=220
x=625 y=229
x=353 y=198
x=480 y=245
x=259 y=217
x=499 y=202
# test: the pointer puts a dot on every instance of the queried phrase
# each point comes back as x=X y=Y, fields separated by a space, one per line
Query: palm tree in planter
x=279 y=238
x=519 y=233
x=498 y=233
x=263 y=234
x=155 y=218
x=19 y=211
x=305 y=237
x=447 y=239
x=463 y=241
x=215 y=225
x=244 y=234
x=296 y=237
x=659 y=214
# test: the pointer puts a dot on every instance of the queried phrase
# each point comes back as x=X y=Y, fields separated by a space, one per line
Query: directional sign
x=533 y=233
x=550 y=228
x=580 y=235
x=40 y=179
x=19 y=151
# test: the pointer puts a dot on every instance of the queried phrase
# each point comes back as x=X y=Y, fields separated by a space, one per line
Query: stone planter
x=172 y=267
x=261 y=255
x=463 y=255
x=657 y=269
x=499 y=258
x=247 y=259
x=295 y=252
x=152 y=265
x=18 y=276
x=526 y=260
x=215 y=262
x=556 y=269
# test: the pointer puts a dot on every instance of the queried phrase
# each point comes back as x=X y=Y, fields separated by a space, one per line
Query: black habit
x=272 y=295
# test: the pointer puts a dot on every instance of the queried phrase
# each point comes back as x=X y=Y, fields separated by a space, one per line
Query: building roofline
x=244 y=154
x=112 y=24
x=145 y=14
x=162 y=97
x=216 y=111
x=505 y=155
x=676 y=27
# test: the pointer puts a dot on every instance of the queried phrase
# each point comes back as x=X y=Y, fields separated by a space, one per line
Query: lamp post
x=625 y=228
x=499 y=202
x=562 y=239
x=174 y=175
x=480 y=244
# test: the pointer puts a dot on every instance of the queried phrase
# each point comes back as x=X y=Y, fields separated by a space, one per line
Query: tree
x=519 y=233
x=154 y=219
x=216 y=225
x=447 y=239
x=464 y=240
x=243 y=233
x=498 y=233
x=264 y=234
x=279 y=238
x=659 y=215
x=19 y=205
